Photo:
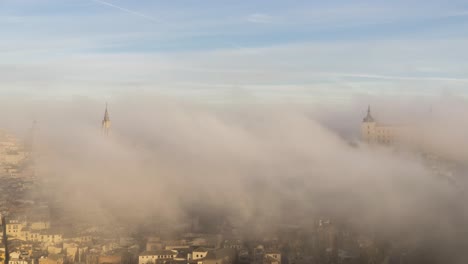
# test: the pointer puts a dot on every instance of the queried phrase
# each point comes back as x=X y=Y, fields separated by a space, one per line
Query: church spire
x=368 y=117
x=106 y=123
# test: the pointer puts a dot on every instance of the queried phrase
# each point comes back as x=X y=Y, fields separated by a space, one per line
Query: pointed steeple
x=106 y=115
x=368 y=117
x=106 y=123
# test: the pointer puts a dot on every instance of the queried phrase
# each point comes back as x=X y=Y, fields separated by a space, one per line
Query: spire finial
x=106 y=114
x=368 y=117
x=106 y=122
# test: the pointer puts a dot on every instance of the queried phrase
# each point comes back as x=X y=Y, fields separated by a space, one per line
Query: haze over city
x=227 y=132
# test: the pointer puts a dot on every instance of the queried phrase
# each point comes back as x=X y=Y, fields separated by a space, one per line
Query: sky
x=233 y=51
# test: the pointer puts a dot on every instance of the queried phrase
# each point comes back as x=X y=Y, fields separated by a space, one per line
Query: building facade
x=374 y=132
x=150 y=257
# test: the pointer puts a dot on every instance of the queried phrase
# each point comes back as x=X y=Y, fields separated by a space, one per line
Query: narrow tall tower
x=368 y=127
x=106 y=123
x=368 y=117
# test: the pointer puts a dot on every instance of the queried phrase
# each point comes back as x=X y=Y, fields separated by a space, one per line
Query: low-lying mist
x=260 y=166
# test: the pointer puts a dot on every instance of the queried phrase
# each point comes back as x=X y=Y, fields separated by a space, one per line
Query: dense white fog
x=260 y=166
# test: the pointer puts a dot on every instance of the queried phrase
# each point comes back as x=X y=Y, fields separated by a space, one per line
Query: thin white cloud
x=404 y=78
x=127 y=10
x=322 y=69
x=428 y=69
x=260 y=18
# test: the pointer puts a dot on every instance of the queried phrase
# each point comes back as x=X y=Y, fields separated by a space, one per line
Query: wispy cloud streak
x=389 y=77
x=127 y=10
x=260 y=18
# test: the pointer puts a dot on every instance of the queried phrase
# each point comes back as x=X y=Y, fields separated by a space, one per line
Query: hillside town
x=32 y=234
x=37 y=230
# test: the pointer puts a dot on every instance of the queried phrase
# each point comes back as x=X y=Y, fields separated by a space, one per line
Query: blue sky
x=233 y=50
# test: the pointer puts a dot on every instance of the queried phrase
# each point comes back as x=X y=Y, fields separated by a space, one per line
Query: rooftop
x=158 y=252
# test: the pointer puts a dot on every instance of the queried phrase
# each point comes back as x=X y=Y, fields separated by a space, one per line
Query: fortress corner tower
x=368 y=127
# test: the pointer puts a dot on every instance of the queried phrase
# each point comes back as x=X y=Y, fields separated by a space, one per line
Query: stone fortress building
x=374 y=132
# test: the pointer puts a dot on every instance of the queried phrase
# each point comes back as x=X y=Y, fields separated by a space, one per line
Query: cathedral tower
x=106 y=123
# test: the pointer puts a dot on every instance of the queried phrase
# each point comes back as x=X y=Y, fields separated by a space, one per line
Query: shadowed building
x=5 y=239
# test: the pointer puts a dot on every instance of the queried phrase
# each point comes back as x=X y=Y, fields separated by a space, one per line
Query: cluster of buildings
x=188 y=248
x=13 y=154
x=33 y=233
x=322 y=242
x=41 y=241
